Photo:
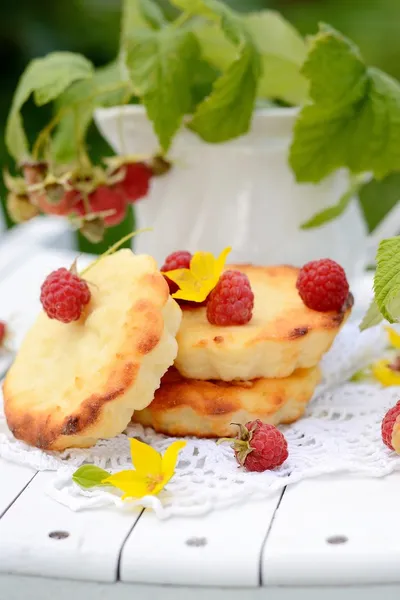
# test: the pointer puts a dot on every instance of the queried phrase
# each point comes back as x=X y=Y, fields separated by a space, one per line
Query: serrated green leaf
x=387 y=278
x=335 y=68
x=89 y=476
x=230 y=22
x=354 y=120
x=281 y=48
x=283 y=52
x=132 y=19
x=372 y=317
x=227 y=112
x=162 y=66
x=216 y=48
x=378 y=198
x=109 y=86
x=152 y=13
x=330 y=213
x=46 y=78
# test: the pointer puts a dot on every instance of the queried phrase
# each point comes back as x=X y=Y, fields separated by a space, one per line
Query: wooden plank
x=222 y=548
x=15 y=588
x=335 y=530
x=14 y=479
x=30 y=544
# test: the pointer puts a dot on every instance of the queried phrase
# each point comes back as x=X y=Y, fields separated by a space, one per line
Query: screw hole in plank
x=335 y=540
x=58 y=535
x=196 y=542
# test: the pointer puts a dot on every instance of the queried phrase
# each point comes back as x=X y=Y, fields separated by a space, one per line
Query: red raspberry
x=136 y=182
x=177 y=260
x=260 y=447
x=104 y=199
x=388 y=423
x=231 y=302
x=3 y=332
x=322 y=285
x=64 y=295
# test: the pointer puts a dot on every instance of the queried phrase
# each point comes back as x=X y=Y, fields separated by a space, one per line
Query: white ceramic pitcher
x=241 y=194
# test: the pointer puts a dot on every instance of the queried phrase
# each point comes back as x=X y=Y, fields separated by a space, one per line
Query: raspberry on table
x=322 y=285
x=177 y=260
x=64 y=295
x=259 y=447
x=231 y=302
x=388 y=423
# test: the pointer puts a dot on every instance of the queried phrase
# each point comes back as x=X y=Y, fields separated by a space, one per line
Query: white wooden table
x=328 y=538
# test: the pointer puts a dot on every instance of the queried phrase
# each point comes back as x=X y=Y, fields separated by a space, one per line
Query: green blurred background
x=30 y=28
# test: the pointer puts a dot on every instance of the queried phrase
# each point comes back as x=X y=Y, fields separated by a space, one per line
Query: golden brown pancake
x=74 y=383
x=283 y=335
x=206 y=409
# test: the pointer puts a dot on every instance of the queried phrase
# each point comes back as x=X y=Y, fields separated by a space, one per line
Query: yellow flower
x=197 y=282
x=152 y=471
x=394 y=337
x=386 y=372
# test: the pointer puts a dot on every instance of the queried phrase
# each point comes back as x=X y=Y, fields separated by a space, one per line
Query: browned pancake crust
x=207 y=409
x=283 y=335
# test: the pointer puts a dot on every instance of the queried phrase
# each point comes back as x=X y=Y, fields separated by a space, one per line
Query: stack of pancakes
x=73 y=384
x=267 y=369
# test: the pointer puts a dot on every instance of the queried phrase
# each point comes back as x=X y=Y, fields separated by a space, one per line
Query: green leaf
x=109 y=86
x=133 y=17
x=46 y=78
x=330 y=213
x=378 y=198
x=216 y=47
x=162 y=66
x=372 y=317
x=354 y=118
x=153 y=14
x=227 y=112
x=337 y=73
x=89 y=476
x=283 y=52
x=387 y=279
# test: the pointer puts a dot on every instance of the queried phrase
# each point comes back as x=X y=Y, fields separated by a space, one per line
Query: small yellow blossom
x=394 y=337
x=152 y=471
x=197 y=282
x=386 y=372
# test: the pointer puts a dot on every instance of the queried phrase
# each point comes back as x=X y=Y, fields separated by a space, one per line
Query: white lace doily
x=340 y=433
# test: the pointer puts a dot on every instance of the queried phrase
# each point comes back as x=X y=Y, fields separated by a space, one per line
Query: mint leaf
x=46 y=78
x=283 y=52
x=330 y=213
x=216 y=11
x=387 y=279
x=89 y=476
x=378 y=198
x=228 y=110
x=372 y=317
x=354 y=118
x=162 y=65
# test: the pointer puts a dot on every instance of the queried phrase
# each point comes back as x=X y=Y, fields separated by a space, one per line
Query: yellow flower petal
x=197 y=282
x=384 y=374
x=394 y=337
x=170 y=458
x=130 y=482
x=145 y=459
